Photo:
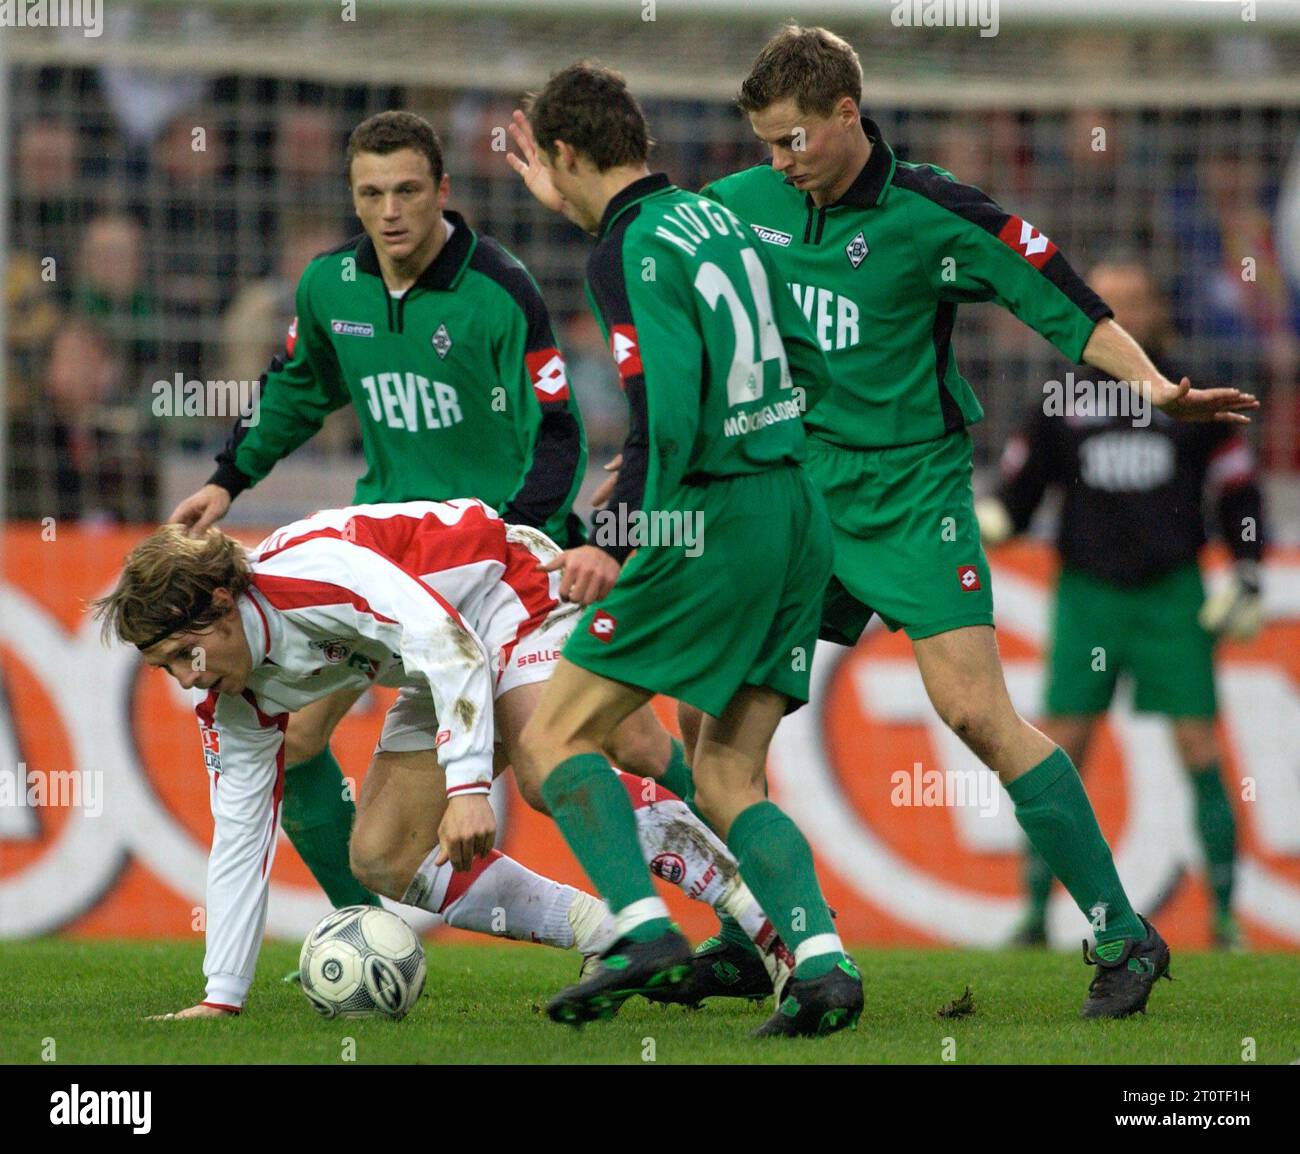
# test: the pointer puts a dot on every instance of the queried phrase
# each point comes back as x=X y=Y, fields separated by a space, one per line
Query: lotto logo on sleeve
x=627 y=352
x=1022 y=236
x=602 y=626
x=546 y=371
x=969 y=577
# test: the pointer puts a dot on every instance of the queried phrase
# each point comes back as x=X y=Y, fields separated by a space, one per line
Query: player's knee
x=975 y=724
x=531 y=791
x=689 y=720
x=303 y=741
x=372 y=861
x=641 y=748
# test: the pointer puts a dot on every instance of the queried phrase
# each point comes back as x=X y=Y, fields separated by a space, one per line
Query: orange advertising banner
x=104 y=822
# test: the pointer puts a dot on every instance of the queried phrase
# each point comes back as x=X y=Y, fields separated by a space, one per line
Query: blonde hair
x=813 y=65
x=167 y=584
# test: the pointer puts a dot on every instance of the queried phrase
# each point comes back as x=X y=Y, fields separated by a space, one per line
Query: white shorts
x=411 y=723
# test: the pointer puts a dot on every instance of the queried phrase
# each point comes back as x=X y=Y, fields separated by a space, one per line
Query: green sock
x=1053 y=810
x=1038 y=887
x=777 y=865
x=592 y=810
x=317 y=818
x=677 y=777
x=1218 y=830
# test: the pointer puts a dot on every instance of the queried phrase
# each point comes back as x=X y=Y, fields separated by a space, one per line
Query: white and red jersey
x=425 y=595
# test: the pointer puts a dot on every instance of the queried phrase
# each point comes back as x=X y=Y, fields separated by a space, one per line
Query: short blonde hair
x=167 y=585
x=813 y=65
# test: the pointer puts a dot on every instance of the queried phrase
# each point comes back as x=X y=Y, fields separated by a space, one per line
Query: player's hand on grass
x=1184 y=403
x=201 y=509
x=588 y=573
x=536 y=179
x=199 y=1011
x=468 y=831
x=600 y=498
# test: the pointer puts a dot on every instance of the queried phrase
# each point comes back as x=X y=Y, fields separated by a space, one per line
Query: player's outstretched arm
x=1117 y=354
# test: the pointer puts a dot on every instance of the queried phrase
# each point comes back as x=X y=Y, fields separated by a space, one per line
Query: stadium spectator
x=32 y=315
x=111 y=287
x=253 y=328
x=193 y=212
x=305 y=165
x=254 y=325
x=47 y=206
x=86 y=449
x=1231 y=285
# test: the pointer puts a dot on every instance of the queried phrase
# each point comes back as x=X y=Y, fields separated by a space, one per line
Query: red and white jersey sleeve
x=244 y=751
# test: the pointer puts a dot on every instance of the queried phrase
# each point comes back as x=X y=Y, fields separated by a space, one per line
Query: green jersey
x=717 y=363
x=458 y=383
x=880 y=274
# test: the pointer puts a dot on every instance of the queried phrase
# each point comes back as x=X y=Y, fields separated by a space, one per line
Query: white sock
x=682 y=850
x=594 y=929
x=495 y=896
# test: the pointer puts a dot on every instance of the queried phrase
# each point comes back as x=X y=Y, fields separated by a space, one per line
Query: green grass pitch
x=484 y=1004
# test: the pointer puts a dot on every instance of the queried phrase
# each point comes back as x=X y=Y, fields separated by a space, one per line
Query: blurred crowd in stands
x=158 y=227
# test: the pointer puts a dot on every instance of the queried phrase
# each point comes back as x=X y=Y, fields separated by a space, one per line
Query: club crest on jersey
x=352 y=329
x=968 y=577
x=332 y=651
x=602 y=626
x=291 y=338
x=772 y=235
x=441 y=341
x=857 y=250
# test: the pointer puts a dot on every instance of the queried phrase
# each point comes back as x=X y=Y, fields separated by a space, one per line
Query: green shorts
x=744 y=610
x=907 y=545
x=1150 y=631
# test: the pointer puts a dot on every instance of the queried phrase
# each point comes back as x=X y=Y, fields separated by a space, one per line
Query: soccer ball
x=362 y=962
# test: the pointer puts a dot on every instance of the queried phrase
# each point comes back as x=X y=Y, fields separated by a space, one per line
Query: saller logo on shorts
x=602 y=626
x=352 y=329
x=969 y=577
